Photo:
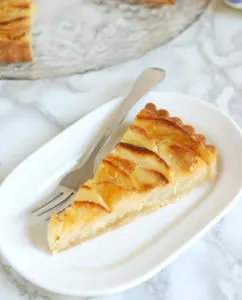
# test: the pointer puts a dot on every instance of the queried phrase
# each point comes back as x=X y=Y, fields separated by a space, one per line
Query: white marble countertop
x=205 y=61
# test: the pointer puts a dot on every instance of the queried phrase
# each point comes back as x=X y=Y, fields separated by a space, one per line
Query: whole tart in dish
x=15 y=31
x=157 y=159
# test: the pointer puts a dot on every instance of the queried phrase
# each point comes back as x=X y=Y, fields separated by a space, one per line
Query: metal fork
x=64 y=193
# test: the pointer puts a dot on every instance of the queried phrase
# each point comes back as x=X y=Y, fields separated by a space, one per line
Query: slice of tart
x=158 y=159
x=15 y=34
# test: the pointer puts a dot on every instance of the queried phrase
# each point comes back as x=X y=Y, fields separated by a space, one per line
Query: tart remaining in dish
x=157 y=159
x=156 y=2
x=15 y=31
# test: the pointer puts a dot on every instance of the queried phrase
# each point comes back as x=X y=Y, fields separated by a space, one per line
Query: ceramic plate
x=127 y=256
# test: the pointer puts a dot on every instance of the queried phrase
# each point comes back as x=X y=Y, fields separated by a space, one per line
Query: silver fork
x=64 y=193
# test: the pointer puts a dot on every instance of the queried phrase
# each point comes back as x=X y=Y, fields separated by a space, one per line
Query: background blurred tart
x=15 y=28
x=151 y=2
x=15 y=31
x=157 y=159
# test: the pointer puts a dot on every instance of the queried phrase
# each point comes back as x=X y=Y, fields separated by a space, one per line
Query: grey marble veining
x=205 y=61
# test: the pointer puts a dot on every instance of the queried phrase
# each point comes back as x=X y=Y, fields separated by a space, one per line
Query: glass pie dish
x=77 y=36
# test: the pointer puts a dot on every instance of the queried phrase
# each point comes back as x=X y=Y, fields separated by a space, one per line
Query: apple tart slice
x=158 y=159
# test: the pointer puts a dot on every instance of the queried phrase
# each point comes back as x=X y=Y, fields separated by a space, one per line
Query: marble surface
x=205 y=61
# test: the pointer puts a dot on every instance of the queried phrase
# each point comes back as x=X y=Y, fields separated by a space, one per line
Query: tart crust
x=15 y=52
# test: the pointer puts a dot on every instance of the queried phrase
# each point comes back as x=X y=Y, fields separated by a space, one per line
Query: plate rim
x=163 y=263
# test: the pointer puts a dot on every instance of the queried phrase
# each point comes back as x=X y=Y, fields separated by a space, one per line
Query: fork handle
x=146 y=81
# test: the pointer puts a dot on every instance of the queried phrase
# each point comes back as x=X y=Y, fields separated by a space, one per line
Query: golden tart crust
x=158 y=159
x=15 y=31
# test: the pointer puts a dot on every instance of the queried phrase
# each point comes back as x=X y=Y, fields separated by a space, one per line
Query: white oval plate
x=127 y=256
